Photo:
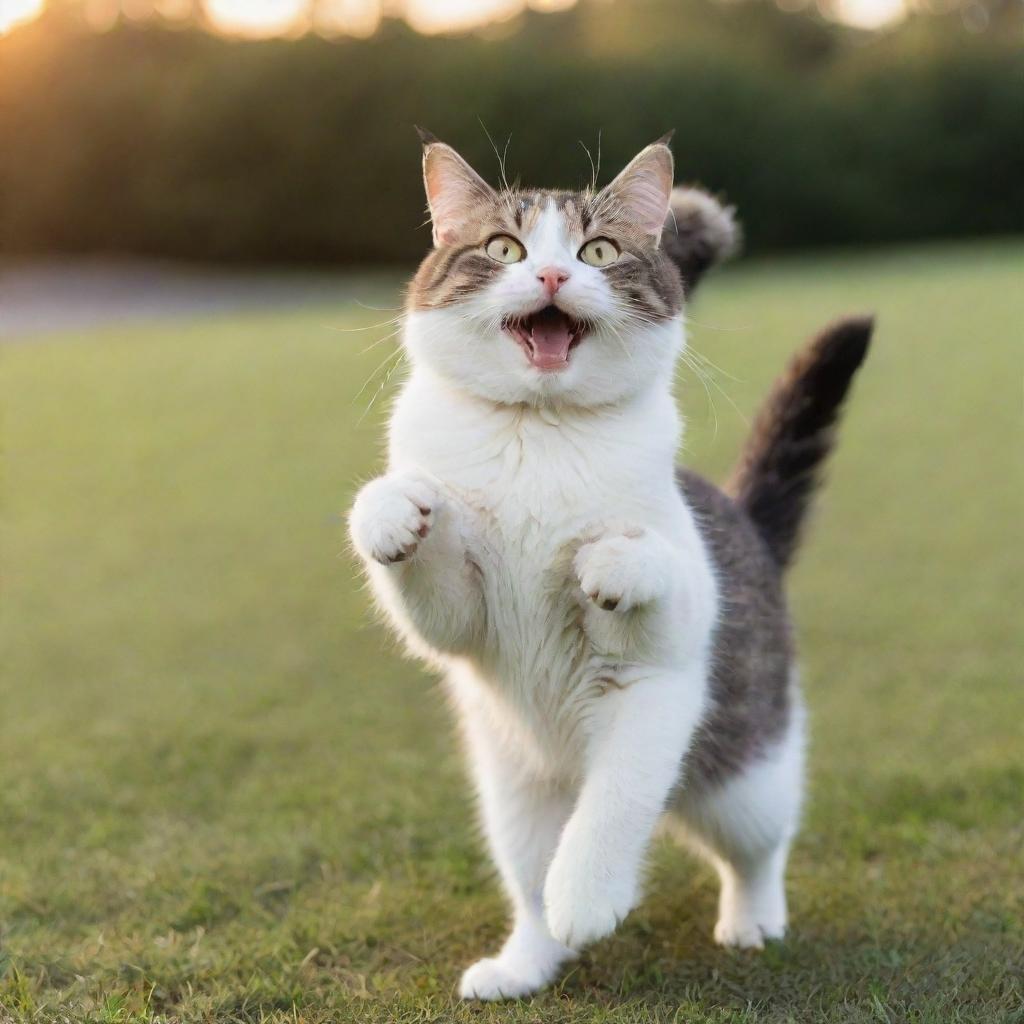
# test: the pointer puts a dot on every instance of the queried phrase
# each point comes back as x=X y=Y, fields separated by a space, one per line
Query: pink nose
x=552 y=278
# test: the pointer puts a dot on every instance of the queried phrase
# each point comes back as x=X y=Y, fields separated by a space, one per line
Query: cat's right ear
x=454 y=189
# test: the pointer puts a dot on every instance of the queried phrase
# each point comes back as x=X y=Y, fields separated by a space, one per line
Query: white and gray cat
x=612 y=632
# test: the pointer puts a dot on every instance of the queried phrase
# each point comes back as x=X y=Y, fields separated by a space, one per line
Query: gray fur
x=751 y=691
x=752 y=536
x=782 y=462
x=699 y=233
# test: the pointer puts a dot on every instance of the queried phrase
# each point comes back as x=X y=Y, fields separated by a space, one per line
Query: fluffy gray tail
x=699 y=232
x=782 y=464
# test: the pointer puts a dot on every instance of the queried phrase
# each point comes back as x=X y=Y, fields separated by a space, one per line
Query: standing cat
x=613 y=633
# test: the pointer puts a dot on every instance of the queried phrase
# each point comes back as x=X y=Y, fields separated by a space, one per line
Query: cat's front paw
x=390 y=517
x=619 y=571
x=496 y=978
x=583 y=903
x=529 y=960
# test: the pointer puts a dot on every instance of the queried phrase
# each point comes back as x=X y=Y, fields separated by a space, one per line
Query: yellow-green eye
x=599 y=252
x=505 y=249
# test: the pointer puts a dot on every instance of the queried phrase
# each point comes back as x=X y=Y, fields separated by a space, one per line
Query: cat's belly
x=534 y=613
x=537 y=662
x=536 y=635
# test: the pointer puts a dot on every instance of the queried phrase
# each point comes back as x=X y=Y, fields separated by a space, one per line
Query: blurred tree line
x=150 y=138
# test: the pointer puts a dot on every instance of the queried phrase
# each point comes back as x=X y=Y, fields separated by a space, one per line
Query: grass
x=226 y=798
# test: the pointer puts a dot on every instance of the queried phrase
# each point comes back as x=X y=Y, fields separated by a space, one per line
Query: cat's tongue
x=551 y=334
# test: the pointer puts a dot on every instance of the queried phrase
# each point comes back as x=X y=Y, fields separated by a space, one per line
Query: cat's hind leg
x=522 y=818
x=752 y=901
x=744 y=827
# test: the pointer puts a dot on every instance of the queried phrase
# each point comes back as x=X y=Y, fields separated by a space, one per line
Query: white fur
x=744 y=829
x=523 y=501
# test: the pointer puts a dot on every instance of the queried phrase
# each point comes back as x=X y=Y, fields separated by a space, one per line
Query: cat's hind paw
x=738 y=933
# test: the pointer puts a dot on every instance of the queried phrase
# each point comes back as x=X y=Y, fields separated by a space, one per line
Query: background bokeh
x=224 y=796
x=128 y=128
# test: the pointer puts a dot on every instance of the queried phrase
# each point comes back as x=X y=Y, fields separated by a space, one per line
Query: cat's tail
x=782 y=464
x=699 y=232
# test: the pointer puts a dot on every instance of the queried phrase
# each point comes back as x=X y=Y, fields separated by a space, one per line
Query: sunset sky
x=360 y=17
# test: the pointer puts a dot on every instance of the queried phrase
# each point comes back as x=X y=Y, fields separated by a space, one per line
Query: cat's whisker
x=693 y=357
x=714 y=327
x=381 y=309
x=707 y=391
x=383 y=384
x=395 y=358
x=593 y=168
x=713 y=366
x=500 y=156
x=368 y=327
x=396 y=354
x=387 y=337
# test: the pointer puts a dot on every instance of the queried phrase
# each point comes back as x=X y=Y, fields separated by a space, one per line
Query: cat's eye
x=599 y=252
x=505 y=249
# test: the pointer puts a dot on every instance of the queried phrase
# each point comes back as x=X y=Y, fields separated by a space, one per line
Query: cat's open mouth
x=547 y=337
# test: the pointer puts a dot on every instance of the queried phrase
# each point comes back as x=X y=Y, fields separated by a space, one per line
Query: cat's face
x=537 y=296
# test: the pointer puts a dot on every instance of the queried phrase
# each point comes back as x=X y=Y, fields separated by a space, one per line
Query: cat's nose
x=552 y=278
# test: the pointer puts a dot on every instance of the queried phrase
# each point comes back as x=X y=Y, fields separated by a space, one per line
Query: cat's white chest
x=537 y=485
x=532 y=499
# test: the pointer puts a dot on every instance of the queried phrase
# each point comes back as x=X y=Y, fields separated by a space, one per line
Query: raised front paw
x=582 y=902
x=390 y=517
x=620 y=570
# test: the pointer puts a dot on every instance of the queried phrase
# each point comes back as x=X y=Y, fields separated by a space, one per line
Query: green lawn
x=226 y=797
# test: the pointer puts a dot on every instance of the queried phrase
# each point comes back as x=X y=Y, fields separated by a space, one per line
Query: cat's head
x=537 y=296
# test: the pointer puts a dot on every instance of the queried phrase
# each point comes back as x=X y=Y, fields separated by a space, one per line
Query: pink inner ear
x=443 y=196
x=649 y=198
x=644 y=187
x=453 y=187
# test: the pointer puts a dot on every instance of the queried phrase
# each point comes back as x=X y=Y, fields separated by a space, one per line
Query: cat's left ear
x=454 y=189
x=642 y=190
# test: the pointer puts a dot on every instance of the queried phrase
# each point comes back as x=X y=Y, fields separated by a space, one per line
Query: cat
x=612 y=631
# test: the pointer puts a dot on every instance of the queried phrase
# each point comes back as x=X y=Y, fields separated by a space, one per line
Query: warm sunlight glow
x=348 y=17
x=14 y=11
x=456 y=15
x=360 y=17
x=262 y=18
x=254 y=17
x=870 y=14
